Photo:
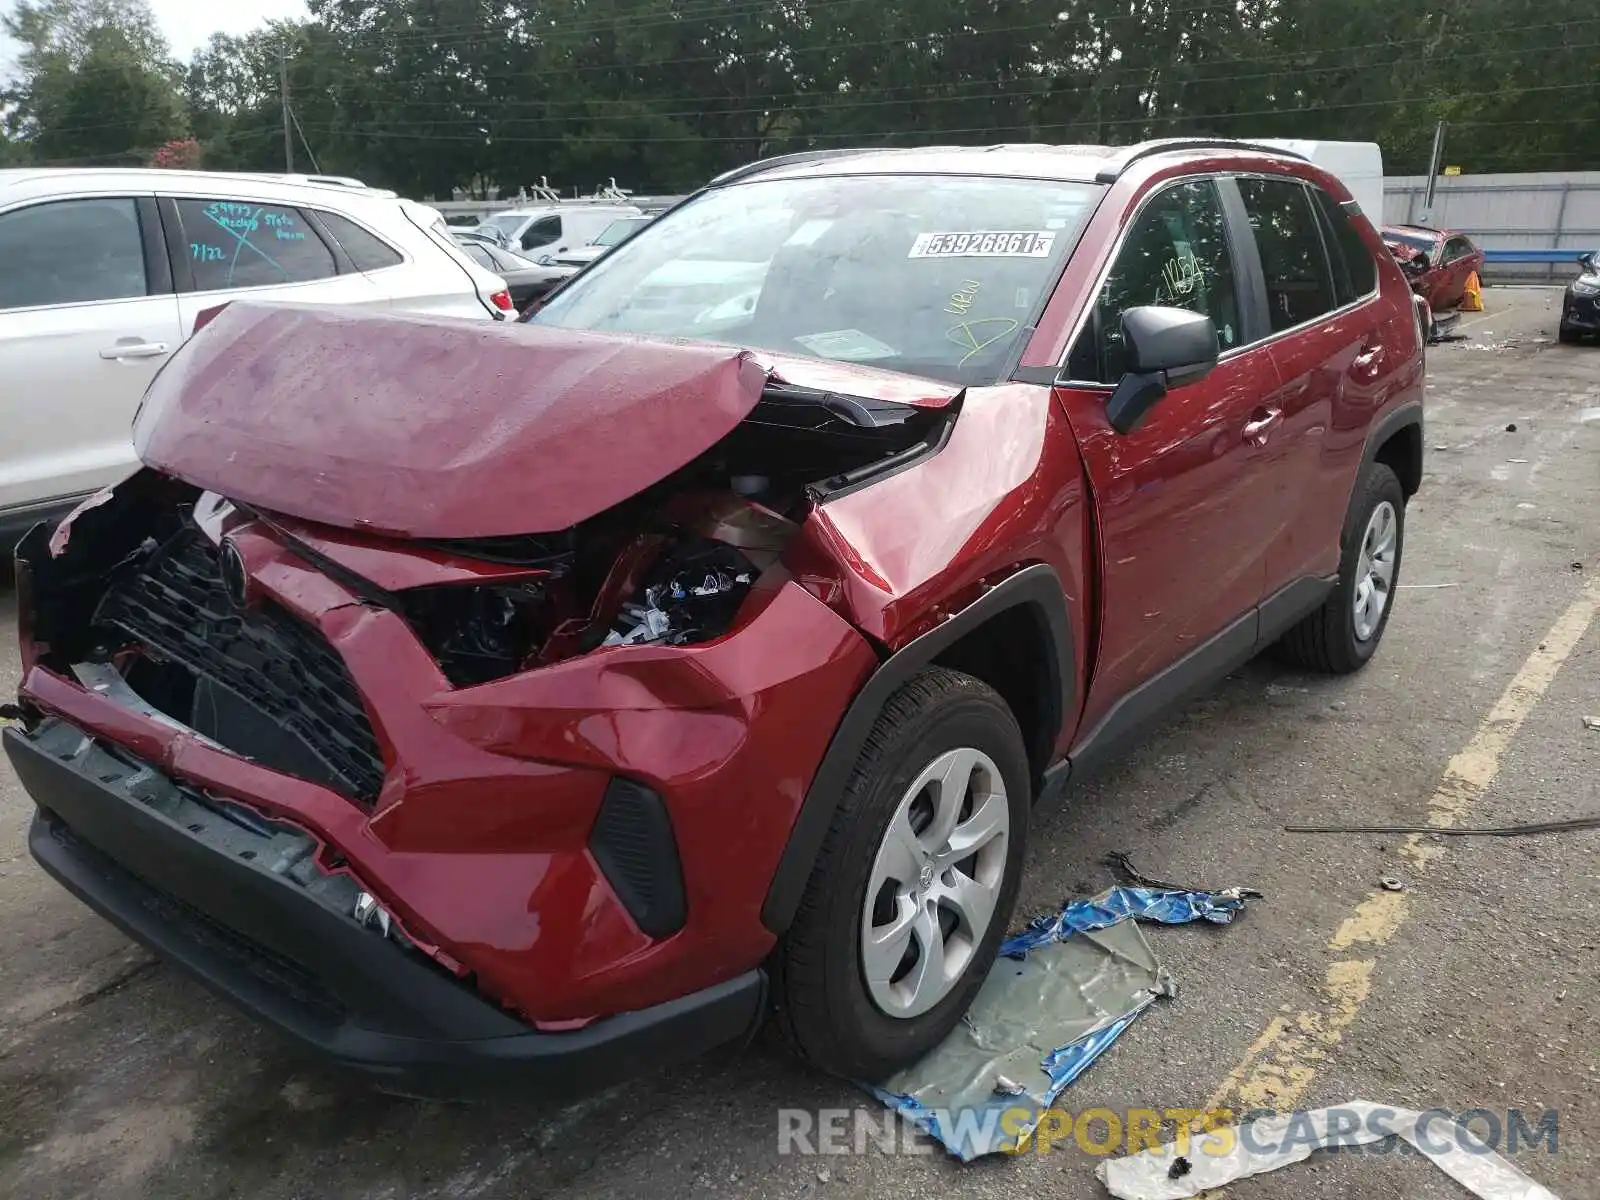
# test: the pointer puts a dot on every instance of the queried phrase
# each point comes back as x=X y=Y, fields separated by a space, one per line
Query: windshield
x=508 y=222
x=941 y=276
x=1417 y=241
x=618 y=231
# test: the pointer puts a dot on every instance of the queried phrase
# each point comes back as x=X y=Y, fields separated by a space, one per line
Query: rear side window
x=1175 y=255
x=71 y=252
x=1299 y=286
x=367 y=251
x=541 y=233
x=480 y=256
x=240 y=244
x=1354 y=272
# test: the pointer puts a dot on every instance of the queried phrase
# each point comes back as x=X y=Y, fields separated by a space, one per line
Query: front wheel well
x=1401 y=452
x=1013 y=653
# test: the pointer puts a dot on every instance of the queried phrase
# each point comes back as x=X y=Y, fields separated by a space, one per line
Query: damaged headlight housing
x=692 y=595
x=1586 y=286
x=477 y=633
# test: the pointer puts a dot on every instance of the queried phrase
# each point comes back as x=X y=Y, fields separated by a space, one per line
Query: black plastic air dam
x=633 y=843
x=334 y=986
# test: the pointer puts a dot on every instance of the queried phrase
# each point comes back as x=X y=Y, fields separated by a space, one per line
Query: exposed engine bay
x=147 y=581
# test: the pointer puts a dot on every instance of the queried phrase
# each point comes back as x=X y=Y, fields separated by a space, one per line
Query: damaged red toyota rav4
x=545 y=701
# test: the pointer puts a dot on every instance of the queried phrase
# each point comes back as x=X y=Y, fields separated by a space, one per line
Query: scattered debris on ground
x=1073 y=980
x=1569 y=825
x=1224 y=1156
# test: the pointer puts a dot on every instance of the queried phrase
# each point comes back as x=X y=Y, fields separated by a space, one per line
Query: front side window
x=1175 y=255
x=938 y=275
x=541 y=233
x=618 y=232
x=71 y=252
x=1299 y=285
x=242 y=244
x=1457 y=248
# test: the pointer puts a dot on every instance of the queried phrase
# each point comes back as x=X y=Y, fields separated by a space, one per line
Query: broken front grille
x=262 y=682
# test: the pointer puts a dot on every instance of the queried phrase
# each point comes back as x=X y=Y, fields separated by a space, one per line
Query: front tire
x=914 y=887
x=1342 y=635
x=1567 y=335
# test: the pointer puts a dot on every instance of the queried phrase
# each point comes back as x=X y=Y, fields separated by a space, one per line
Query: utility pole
x=283 y=92
x=1434 y=161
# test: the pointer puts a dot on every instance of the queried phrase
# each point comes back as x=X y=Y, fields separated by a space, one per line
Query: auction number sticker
x=986 y=243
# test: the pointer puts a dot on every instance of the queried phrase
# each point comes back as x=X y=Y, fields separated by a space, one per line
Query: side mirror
x=1167 y=348
x=1591 y=261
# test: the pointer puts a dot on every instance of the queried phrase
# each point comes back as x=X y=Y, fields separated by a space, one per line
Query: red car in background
x=548 y=701
x=1438 y=262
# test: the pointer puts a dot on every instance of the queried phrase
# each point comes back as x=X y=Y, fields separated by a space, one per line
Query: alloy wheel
x=1375 y=570
x=935 y=882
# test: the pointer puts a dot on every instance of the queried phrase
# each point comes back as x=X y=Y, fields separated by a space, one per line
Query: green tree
x=96 y=83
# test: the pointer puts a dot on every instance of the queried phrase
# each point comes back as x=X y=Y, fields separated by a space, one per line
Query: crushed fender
x=1221 y=1157
x=1058 y=995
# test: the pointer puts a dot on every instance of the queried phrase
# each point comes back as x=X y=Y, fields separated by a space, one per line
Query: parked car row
x=530 y=276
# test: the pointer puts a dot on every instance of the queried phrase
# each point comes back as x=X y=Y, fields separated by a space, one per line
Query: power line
x=1156 y=121
x=837 y=101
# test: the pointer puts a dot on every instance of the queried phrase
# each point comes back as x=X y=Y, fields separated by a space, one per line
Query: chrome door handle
x=1256 y=430
x=1368 y=358
x=134 y=350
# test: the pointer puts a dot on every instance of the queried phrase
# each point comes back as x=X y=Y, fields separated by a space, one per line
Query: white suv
x=104 y=272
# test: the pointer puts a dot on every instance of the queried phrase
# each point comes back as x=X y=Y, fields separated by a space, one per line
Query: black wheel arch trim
x=1391 y=423
x=1037 y=587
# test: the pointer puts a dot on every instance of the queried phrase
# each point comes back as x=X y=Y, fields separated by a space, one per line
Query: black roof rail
x=782 y=160
x=1133 y=154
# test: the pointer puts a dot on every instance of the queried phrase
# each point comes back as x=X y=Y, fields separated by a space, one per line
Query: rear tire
x=1342 y=635
x=940 y=723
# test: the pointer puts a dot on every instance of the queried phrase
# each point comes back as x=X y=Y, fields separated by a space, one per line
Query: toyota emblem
x=235 y=580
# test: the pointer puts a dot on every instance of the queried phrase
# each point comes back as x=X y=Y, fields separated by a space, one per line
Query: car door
x=1179 y=523
x=227 y=248
x=87 y=316
x=1459 y=263
x=1329 y=346
x=544 y=236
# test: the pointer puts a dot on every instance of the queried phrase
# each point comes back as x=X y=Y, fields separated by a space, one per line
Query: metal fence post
x=1561 y=223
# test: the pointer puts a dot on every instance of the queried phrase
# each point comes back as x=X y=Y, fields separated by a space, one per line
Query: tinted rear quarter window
x=71 y=252
x=367 y=251
x=241 y=243
x=1299 y=287
x=1355 y=272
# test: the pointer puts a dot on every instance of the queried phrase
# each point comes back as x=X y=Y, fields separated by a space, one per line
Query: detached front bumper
x=231 y=898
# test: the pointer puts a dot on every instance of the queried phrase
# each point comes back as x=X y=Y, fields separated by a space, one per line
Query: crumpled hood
x=430 y=427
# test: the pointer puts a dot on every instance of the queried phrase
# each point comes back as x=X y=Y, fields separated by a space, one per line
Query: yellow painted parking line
x=1280 y=1064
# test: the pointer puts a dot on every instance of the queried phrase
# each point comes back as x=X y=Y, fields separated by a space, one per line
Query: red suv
x=549 y=700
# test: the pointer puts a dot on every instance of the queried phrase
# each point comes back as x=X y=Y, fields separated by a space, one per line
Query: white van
x=1359 y=166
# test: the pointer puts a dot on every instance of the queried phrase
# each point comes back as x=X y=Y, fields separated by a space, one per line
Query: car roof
x=1067 y=163
x=146 y=176
x=541 y=210
x=1403 y=227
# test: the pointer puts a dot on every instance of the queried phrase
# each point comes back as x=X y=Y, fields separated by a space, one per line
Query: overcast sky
x=189 y=23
